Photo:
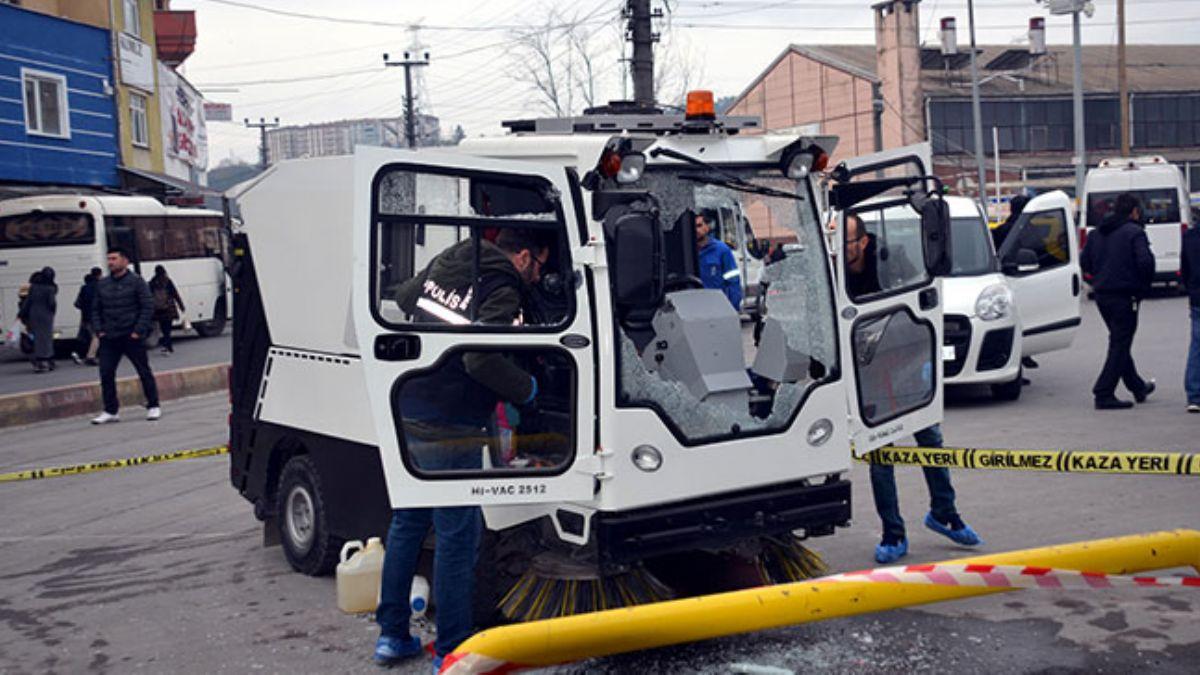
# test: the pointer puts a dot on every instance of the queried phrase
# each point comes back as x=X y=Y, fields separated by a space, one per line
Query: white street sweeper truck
x=658 y=446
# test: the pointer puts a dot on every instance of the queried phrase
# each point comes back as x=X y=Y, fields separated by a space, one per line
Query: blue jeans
x=887 y=502
x=457 y=530
x=1191 y=378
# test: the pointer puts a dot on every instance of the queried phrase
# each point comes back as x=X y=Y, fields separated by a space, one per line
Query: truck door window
x=1044 y=233
x=894 y=365
x=479 y=411
x=469 y=251
x=886 y=255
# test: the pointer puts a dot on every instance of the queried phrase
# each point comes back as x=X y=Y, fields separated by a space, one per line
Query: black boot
x=1112 y=403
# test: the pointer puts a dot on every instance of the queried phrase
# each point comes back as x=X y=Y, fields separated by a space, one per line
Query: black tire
x=214 y=326
x=1009 y=391
x=300 y=509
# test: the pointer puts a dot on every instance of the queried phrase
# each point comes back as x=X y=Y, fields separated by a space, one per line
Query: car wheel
x=1009 y=391
x=300 y=509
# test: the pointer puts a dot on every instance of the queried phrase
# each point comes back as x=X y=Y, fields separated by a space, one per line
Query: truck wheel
x=1009 y=391
x=300 y=509
x=215 y=326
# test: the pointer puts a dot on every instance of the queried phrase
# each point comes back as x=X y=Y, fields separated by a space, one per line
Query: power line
x=382 y=24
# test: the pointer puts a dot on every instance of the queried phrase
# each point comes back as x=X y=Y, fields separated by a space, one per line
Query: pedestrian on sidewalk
x=167 y=306
x=86 y=341
x=122 y=312
x=40 y=306
x=1190 y=270
x=1118 y=258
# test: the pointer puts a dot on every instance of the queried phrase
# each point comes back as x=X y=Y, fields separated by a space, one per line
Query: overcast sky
x=267 y=64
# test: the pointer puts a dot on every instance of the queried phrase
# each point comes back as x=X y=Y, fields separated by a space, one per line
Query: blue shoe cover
x=964 y=536
x=890 y=553
x=390 y=650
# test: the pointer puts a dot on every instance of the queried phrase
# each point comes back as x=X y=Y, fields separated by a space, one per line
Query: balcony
x=175 y=33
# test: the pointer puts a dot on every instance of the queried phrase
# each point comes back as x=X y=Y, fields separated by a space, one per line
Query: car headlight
x=994 y=302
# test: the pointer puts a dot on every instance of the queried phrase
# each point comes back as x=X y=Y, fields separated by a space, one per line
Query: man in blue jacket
x=1190 y=270
x=1118 y=261
x=718 y=268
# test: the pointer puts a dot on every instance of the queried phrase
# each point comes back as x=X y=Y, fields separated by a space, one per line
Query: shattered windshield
x=707 y=367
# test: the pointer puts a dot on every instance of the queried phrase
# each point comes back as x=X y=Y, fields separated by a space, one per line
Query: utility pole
x=1122 y=82
x=975 y=112
x=1074 y=7
x=262 y=125
x=641 y=34
x=408 y=63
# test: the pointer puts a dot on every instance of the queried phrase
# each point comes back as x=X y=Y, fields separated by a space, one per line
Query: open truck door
x=480 y=373
x=1040 y=257
x=891 y=316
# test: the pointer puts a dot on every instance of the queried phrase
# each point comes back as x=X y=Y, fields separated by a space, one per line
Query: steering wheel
x=681 y=282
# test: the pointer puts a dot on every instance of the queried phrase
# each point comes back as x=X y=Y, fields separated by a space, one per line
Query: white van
x=996 y=312
x=73 y=232
x=1163 y=191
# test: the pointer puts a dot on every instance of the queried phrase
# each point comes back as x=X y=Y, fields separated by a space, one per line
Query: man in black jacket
x=1118 y=261
x=1190 y=270
x=444 y=414
x=121 y=312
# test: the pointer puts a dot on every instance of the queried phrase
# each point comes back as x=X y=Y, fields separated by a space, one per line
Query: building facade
x=155 y=128
x=339 y=138
x=924 y=93
x=57 y=104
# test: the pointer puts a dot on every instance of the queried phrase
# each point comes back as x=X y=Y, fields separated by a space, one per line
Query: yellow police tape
x=77 y=469
x=1061 y=461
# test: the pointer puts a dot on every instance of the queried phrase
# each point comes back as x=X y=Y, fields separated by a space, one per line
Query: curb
x=83 y=399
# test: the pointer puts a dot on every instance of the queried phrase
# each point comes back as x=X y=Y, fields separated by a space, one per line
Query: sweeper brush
x=555 y=585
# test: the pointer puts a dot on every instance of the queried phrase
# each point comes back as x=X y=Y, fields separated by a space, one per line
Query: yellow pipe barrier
x=563 y=640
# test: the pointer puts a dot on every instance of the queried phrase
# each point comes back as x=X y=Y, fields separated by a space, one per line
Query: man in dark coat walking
x=87 y=342
x=1118 y=261
x=122 y=312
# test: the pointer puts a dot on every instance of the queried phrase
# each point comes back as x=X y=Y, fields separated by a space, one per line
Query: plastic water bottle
x=418 y=600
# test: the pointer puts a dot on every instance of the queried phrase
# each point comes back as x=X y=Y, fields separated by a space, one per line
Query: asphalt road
x=160 y=568
x=16 y=374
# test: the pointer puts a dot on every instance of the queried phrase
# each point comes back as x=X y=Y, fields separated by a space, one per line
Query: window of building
x=138 y=124
x=1166 y=121
x=1030 y=125
x=133 y=18
x=46 y=112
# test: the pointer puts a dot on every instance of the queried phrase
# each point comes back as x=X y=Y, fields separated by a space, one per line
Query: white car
x=999 y=309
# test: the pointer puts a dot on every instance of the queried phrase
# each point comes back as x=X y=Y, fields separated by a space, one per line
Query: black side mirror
x=1023 y=261
x=635 y=256
x=935 y=234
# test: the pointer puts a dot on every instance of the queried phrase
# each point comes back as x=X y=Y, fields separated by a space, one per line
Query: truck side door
x=474 y=329
x=891 y=327
x=1040 y=257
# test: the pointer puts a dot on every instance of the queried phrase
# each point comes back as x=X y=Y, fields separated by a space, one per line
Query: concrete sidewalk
x=84 y=398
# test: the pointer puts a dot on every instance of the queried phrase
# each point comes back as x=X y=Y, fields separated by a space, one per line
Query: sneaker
x=1112 y=403
x=391 y=650
x=886 y=553
x=437 y=663
x=1193 y=407
x=153 y=413
x=106 y=418
x=956 y=530
x=1141 y=398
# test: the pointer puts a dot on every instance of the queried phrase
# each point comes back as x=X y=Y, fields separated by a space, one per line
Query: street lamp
x=1074 y=7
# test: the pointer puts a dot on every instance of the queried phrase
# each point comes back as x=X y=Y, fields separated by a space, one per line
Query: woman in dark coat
x=40 y=309
x=166 y=302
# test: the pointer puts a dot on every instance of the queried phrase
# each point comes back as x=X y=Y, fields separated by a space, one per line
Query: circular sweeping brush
x=555 y=586
x=783 y=559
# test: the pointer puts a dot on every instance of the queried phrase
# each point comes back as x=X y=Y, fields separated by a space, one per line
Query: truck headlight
x=994 y=302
